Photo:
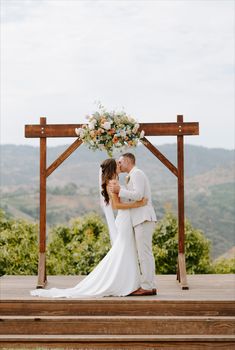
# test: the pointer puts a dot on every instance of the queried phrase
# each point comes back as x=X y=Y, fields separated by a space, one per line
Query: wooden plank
x=160 y=156
x=123 y=307
x=125 y=325
x=63 y=156
x=137 y=341
x=118 y=338
x=151 y=129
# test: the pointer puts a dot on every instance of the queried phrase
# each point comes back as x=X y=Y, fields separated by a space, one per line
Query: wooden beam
x=170 y=129
x=151 y=129
x=42 y=225
x=160 y=156
x=180 y=165
x=43 y=190
x=63 y=156
x=182 y=276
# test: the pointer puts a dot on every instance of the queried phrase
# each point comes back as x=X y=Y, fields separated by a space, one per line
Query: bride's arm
x=116 y=204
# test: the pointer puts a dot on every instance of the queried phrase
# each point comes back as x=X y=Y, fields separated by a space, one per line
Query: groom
x=143 y=219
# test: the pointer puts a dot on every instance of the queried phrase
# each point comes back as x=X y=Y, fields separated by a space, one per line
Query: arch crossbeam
x=151 y=129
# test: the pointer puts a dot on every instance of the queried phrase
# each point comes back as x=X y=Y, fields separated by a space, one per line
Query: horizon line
x=163 y=144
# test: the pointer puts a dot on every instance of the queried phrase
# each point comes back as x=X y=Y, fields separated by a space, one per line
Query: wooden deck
x=201 y=287
x=202 y=317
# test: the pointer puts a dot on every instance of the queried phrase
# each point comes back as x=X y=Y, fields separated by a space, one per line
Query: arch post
x=181 y=267
x=42 y=223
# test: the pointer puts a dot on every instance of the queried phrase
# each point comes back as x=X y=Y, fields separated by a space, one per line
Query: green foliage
x=224 y=266
x=79 y=248
x=165 y=247
x=18 y=246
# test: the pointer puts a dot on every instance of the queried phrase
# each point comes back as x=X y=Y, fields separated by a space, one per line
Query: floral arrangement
x=109 y=131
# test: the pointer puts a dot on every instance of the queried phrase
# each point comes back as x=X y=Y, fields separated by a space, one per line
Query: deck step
x=201 y=318
x=132 y=306
x=116 y=325
x=92 y=342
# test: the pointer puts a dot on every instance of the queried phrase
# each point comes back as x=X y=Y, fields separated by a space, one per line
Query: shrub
x=224 y=266
x=79 y=248
x=165 y=247
x=18 y=246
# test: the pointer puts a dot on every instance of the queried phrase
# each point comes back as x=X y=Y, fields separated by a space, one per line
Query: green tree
x=18 y=246
x=165 y=247
x=77 y=249
x=224 y=266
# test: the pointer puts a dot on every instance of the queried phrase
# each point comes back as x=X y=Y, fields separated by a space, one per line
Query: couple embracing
x=129 y=267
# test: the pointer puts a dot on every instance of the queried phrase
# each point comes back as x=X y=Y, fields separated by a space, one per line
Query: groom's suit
x=143 y=221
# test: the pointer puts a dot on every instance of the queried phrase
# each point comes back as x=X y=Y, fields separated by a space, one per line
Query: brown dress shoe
x=142 y=292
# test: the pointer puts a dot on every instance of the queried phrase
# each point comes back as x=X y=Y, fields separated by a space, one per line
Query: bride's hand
x=113 y=186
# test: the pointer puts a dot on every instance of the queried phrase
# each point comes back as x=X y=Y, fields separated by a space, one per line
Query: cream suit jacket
x=138 y=187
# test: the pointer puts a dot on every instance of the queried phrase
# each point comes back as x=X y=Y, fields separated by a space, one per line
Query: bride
x=118 y=272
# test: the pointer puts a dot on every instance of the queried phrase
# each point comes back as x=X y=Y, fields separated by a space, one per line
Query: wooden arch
x=178 y=129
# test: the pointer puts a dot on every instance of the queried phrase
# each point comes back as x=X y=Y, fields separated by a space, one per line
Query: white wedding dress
x=117 y=274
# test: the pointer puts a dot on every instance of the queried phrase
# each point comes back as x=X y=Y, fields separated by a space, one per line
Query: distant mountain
x=73 y=187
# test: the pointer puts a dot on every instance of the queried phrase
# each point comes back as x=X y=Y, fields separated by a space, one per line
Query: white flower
x=91 y=119
x=107 y=125
x=130 y=119
x=135 y=129
x=80 y=132
x=77 y=131
x=92 y=124
x=142 y=134
x=128 y=132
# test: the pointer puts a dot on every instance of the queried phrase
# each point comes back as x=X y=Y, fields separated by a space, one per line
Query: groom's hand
x=114 y=186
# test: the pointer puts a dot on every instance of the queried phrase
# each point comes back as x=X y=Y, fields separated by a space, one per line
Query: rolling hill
x=73 y=187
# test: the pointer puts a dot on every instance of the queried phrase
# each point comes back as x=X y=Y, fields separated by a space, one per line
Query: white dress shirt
x=138 y=187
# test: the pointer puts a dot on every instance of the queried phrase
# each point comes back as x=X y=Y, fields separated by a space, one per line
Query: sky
x=154 y=59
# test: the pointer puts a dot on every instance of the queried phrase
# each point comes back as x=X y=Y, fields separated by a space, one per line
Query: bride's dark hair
x=109 y=169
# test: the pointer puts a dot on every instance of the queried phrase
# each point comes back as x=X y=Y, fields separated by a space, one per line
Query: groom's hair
x=130 y=156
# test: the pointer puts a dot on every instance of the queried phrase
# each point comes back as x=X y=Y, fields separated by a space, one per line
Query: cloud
x=156 y=59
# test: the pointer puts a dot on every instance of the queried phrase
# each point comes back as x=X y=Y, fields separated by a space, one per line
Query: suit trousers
x=143 y=237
